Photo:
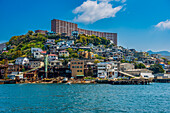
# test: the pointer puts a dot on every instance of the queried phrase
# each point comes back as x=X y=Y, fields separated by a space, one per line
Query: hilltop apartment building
x=60 y=26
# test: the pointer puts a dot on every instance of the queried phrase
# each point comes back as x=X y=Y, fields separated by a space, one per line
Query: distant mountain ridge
x=163 y=53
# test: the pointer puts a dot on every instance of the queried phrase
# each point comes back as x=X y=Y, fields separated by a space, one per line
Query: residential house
x=86 y=54
x=51 y=33
x=78 y=44
x=52 y=57
x=77 y=68
x=107 y=69
x=63 y=53
x=126 y=66
x=141 y=54
x=156 y=56
x=3 y=47
x=84 y=47
x=90 y=69
x=35 y=63
x=50 y=42
x=14 y=68
x=53 y=49
x=55 y=63
x=63 y=42
x=41 y=31
x=62 y=71
x=117 y=56
x=69 y=43
x=140 y=73
x=22 y=61
x=90 y=45
x=162 y=76
x=36 y=50
x=129 y=58
x=15 y=75
x=11 y=68
x=38 y=55
x=100 y=50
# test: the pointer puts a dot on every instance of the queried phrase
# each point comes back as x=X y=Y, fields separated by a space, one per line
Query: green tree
x=96 y=61
x=156 y=68
x=139 y=66
x=168 y=62
x=30 y=32
x=23 y=69
x=70 y=50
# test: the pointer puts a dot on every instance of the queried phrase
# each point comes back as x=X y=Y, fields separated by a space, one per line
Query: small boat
x=65 y=80
x=68 y=83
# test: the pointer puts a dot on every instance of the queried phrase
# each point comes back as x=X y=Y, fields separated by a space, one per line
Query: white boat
x=68 y=83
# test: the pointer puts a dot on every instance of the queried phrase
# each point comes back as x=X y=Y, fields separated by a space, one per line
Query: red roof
x=44 y=52
x=63 y=51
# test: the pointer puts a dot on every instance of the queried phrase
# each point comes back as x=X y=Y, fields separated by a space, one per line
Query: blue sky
x=140 y=24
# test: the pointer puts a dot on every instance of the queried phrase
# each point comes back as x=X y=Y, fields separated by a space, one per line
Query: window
x=72 y=62
x=80 y=70
x=75 y=63
x=78 y=62
x=72 y=66
x=77 y=66
x=80 y=66
x=81 y=62
x=77 y=70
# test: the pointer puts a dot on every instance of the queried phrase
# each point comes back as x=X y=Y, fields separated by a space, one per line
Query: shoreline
x=84 y=81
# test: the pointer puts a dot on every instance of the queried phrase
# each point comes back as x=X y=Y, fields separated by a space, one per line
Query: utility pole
x=46 y=66
x=6 y=68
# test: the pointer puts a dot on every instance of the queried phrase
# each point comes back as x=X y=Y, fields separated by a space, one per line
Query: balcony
x=101 y=67
x=100 y=71
x=111 y=70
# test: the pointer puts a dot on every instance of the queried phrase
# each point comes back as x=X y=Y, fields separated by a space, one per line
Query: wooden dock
x=7 y=82
x=125 y=82
x=164 y=80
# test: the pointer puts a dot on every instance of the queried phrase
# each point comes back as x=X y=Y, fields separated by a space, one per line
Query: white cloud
x=163 y=24
x=92 y=11
x=123 y=1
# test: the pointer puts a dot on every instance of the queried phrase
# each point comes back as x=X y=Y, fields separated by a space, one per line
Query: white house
x=22 y=61
x=129 y=58
x=36 y=50
x=69 y=42
x=35 y=63
x=61 y=43
x=50 y=41
x=147 y=74
x=55 y=63
x=13 y=75
x=64 y=53
x=38 y=55
x=52 y=57
x=107 y=69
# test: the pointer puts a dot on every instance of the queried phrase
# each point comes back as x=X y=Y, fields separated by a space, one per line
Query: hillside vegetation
x=20 y=46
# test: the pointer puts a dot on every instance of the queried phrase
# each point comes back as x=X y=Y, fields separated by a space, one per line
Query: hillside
x=20 y=46
x=163 y=53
